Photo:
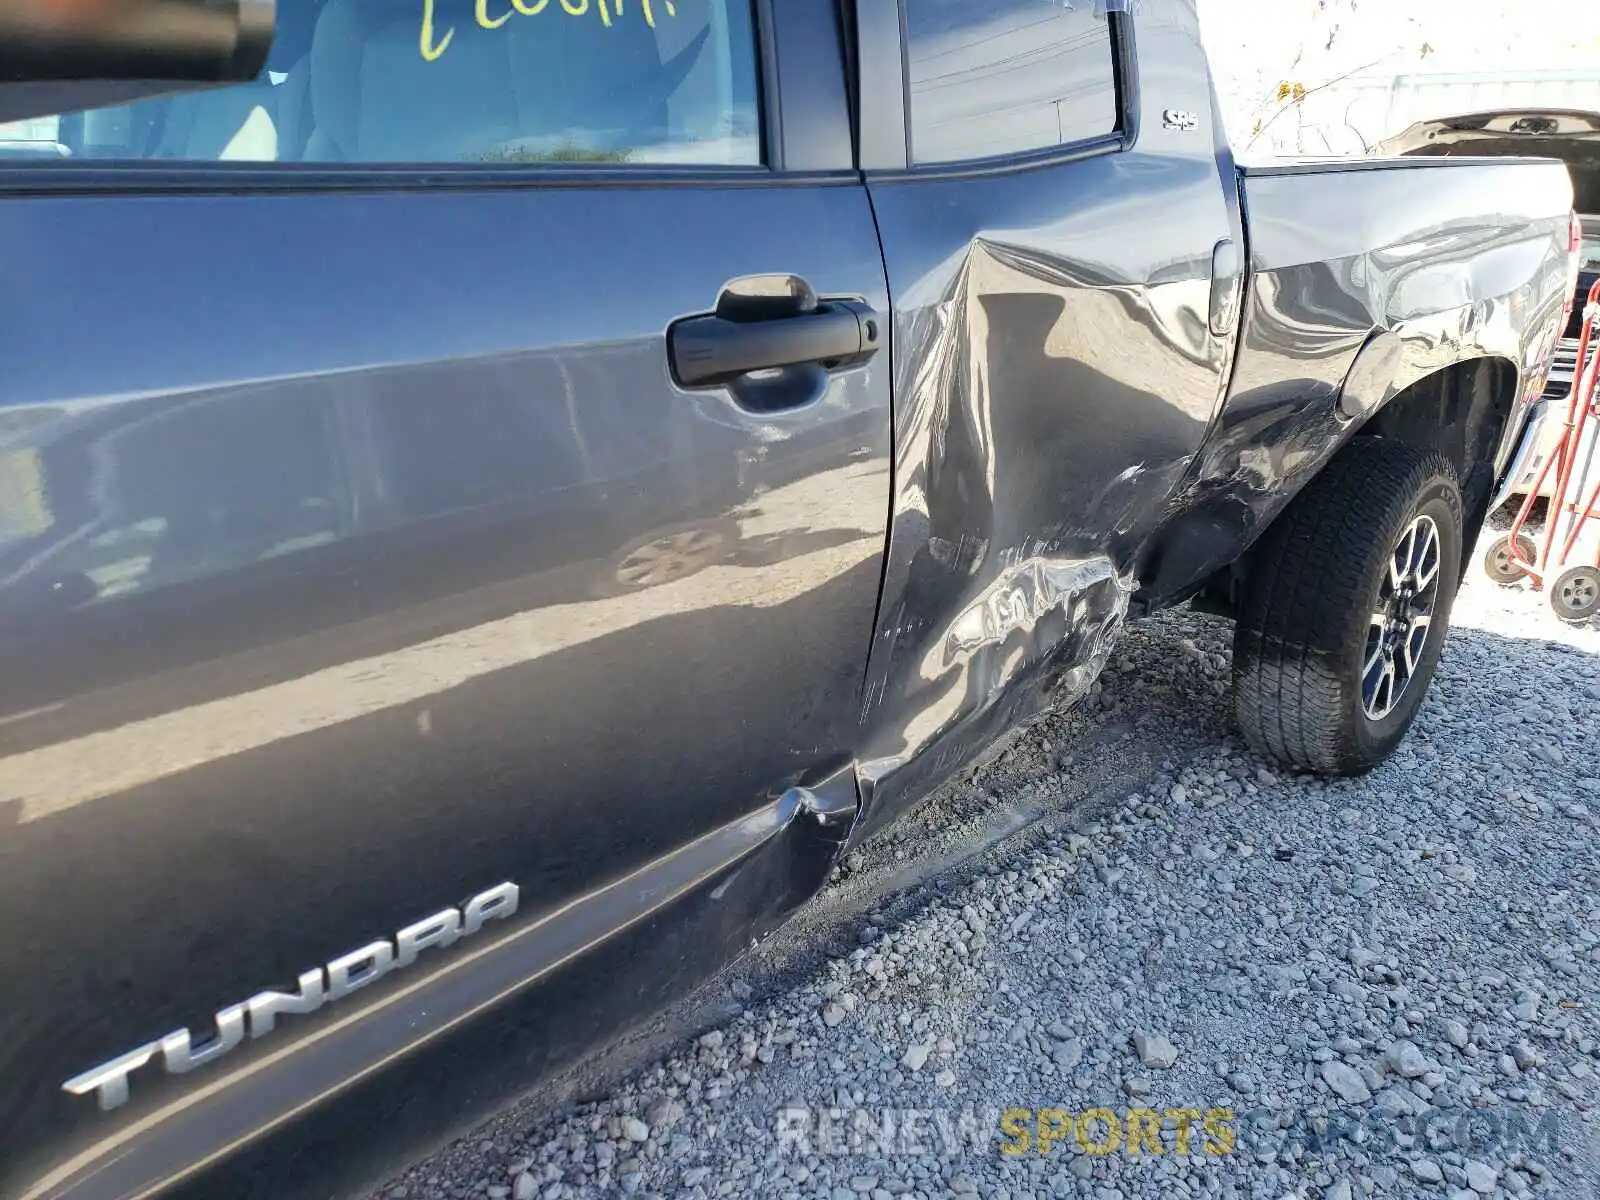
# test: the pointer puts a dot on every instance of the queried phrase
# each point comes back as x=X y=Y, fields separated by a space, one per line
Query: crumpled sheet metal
x=1033 y=639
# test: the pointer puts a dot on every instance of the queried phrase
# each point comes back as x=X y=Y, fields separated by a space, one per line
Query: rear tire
x=1329 y=614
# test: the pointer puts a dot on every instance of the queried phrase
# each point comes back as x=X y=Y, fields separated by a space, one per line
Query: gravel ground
x=1391 y=985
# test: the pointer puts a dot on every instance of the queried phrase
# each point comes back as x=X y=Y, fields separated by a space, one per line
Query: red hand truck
x=1574 y=593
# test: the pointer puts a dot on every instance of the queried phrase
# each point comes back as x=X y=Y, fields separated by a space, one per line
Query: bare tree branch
x=1300 y=97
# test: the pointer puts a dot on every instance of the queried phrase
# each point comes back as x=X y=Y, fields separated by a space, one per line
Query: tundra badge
x=317 y=986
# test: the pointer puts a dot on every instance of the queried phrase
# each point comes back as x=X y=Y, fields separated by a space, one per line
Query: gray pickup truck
x=493 y=505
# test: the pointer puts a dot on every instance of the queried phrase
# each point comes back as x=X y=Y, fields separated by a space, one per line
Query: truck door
x=442 y=481
x=1061 y=229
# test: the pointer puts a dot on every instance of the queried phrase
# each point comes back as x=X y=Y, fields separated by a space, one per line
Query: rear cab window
x=491 y=82
x=996 y=78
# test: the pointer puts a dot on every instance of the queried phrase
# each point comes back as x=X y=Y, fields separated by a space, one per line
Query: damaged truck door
x=381 y=578
x=1050 y=241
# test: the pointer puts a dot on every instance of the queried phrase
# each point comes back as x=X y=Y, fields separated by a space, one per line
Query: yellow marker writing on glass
x=433 y=45
x=430 y=50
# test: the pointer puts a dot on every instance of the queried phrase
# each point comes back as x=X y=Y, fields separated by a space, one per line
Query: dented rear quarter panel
x=1365 y=278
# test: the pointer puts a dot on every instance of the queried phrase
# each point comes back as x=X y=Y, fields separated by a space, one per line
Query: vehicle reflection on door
x=169 y=502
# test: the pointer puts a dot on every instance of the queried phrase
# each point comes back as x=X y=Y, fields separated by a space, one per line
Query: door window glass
x=997 y=77
x=454 y=81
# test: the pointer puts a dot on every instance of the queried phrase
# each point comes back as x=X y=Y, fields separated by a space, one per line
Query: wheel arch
x=1464 y=410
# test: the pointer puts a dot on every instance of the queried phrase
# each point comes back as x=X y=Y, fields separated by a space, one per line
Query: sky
x=1257 y=44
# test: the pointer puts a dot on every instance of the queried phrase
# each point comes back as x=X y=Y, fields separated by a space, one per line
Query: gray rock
x=1405 y=1059
x=1549 y=752
x=1346 y=1082
x=1456 y=1034
x=1067 y=1054
x=1481 y=1177
x=1427 y=1170
x=1155 y=1050
x=663 y=1114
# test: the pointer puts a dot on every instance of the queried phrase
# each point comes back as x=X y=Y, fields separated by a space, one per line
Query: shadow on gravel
x=1216 y=899
x=1161 y=700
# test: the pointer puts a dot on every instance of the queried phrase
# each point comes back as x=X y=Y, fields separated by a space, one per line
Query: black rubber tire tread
x=1314 y=575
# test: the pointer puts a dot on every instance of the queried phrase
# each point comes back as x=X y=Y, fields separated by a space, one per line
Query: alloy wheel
x=1402 y=618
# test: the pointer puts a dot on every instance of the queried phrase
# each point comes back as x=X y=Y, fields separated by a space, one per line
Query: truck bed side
x=1372 y=281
